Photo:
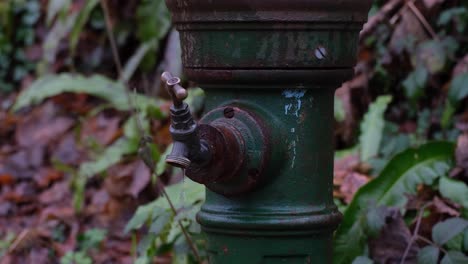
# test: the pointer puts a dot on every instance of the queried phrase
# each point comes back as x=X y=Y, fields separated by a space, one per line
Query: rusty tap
x=187 y=147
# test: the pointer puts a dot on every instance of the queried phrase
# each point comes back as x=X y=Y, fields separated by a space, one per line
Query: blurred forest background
x=78 y=119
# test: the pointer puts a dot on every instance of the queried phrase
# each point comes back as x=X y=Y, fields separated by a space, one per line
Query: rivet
x=229 y=112
x=253 y=173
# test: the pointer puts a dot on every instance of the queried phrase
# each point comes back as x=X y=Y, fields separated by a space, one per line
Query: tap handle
x=176 y=91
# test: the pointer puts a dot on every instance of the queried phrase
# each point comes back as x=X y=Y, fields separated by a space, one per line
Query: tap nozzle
x=178 y=157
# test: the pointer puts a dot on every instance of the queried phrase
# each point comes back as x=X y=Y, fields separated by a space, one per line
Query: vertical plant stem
x=115 y=53
x=415 y=233
x=422 y=19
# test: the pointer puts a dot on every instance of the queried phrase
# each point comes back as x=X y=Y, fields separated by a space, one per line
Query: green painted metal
x=280 y=61
x=290 y=219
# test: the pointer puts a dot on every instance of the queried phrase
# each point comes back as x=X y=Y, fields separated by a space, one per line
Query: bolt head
x=229 y=112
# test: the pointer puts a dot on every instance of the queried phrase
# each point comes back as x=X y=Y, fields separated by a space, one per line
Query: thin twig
x=432 y=244
x=415 y=232
x=115 y=53
x=422 y=19
x=118 y=64
x=161 y=188
x=378 y=18
x=184 y=231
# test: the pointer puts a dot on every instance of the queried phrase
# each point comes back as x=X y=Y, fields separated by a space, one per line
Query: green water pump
x=264 y=146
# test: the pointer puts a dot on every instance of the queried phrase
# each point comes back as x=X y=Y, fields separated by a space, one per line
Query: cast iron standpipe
x=264 y=149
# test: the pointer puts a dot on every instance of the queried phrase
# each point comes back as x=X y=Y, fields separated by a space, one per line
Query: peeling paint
x=293 y=107
x=296 y=106
x=293 y=148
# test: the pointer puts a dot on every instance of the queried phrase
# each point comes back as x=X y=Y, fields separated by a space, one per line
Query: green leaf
x=79 y=257
x=81 y=20
x=430 y=55
x=454 y=257
x=428 y=255
x=458 y=88
x=96 y=85
x=454 y=190
x=146 y=246
x=111 y=155
x=447 y=114
x=375 y=219
x=142 y=260
x=415 y=83
x=465 y=241
x=372 y=127
x=56 y=34
x=342 y=153
x=401 y=176
x=54 y=7
x=161 y=223
x=143 y=214
x=456 y=243
x=91 y=238
x=180 y=258
x=339 y=111
x=453 y=13
x=153 y=20
x=442 y=232
x=181 y=194
x=134 y=61
x=195 y=99
x=131 y=128
x=363 y=260
x=161 y=165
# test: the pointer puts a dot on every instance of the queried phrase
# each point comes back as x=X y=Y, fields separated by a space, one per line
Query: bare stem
x=415 y=233
x=421 y=19
x=184 y=231
x=115 y=53
x=432 y=244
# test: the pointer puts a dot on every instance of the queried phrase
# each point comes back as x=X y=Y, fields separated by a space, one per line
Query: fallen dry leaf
x=6 y=179
x=45 y=176
x=141 y=179
x=461 y=67
x=348 y=163
x=441 y=207
x=127 y=180
x=351 y=184
x=394 y=238
x=408 y=25
x=79 y=103
x=43 y=125
x=8 y=123
x=102 y=129
x=67 y=151
x=23 y=192
x=57 y=193
x=461 y=152
x=346 y=179
x=62 y=213
x=432 y=3
x=23 y=163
